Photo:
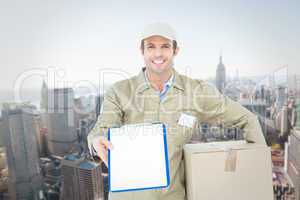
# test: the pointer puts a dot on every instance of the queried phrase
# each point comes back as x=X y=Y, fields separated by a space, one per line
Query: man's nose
x=158 y=52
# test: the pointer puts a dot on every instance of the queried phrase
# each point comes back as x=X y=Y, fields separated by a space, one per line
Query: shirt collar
x=168 y=83
x=144 y=84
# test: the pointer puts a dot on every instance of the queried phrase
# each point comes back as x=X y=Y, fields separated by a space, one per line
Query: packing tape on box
x=230 y=160
x=230 y=157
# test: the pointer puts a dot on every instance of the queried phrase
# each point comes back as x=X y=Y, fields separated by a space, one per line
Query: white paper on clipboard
x=139 y=158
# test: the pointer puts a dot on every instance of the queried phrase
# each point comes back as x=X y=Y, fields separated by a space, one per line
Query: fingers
x=103 y=148
x=103 y=154
x=107 y=144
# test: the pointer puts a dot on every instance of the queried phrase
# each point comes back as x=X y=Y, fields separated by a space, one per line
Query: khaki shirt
x=135 y=101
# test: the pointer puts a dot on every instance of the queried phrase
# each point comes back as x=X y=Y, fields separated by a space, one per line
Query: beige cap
x=159 y=28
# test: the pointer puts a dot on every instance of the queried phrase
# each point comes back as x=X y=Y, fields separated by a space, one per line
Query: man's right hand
x=102 y=145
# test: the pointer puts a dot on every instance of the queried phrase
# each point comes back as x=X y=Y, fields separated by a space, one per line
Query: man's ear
x=176 y=51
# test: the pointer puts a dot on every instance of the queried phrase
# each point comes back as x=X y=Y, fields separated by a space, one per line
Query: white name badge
x=187 y=120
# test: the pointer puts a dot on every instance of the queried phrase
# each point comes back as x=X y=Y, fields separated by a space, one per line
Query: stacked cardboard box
x=228 y=170
x=293 y=164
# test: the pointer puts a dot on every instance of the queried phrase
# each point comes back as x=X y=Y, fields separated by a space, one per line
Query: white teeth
x=158 y=61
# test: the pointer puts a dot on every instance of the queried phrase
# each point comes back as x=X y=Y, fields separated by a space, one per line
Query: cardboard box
x=232 y=170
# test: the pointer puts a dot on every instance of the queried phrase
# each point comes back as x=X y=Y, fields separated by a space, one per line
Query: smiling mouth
x=158 y=62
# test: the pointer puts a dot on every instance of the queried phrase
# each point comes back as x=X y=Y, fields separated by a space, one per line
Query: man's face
x=158 y=54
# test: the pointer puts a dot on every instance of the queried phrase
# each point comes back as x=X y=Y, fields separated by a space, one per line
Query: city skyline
x=255 y=38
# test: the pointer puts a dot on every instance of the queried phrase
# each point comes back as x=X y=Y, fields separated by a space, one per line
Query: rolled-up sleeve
x=219 y=109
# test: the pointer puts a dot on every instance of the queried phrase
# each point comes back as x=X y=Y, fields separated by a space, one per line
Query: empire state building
x=221 y=76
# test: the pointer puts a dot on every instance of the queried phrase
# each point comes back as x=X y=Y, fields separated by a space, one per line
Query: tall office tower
x=25 y=179
x=221 y=76
x=81 y=179
x=1 y=130
x=57 y=107
x=281 y=96
x=41 y=138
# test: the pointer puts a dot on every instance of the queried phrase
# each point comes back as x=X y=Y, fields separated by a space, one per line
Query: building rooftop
x=88 y=165
x=72 y=157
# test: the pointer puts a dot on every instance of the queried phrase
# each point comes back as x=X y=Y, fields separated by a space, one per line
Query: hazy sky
x=82 y=37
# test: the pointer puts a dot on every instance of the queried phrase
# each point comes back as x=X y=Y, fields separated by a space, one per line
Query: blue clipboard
x=143 y=188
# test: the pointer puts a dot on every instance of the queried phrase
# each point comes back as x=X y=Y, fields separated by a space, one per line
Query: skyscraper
x=1 y=131
x=25 y=180
x=221 y=76
x=58 y=117
x=81 y=179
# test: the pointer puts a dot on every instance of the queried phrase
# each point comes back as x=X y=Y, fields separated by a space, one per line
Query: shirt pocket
x=179 y=134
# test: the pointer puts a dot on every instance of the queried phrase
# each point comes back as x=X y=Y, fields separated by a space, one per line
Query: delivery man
x=160 y=94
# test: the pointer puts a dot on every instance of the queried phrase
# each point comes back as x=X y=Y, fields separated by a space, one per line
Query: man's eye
x=166 y=47
x=150 y=47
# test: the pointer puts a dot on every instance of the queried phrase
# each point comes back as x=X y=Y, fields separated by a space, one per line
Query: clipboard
x=139 y=158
